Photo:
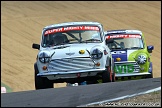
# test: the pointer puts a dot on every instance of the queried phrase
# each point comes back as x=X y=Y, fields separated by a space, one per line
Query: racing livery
x=72 y=52
x=131 y=55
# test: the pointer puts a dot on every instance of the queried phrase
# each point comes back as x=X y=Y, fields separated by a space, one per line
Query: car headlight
x=96 y=54
x=44 y=57
x=141 y=59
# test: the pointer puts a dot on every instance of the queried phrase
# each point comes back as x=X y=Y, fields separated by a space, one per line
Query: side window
x=141 y=43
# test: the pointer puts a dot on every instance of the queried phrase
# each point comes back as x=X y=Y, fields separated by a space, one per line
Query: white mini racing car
x=72 y=52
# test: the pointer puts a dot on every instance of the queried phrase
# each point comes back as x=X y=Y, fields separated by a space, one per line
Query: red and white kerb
x=63 y=29
x=124 y=36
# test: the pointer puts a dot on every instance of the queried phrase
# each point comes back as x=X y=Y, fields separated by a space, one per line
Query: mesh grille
x=70 y=64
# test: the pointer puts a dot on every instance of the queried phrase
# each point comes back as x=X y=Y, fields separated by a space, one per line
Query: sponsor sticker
x=124 y=36
x=63 y=29
x=123 y=31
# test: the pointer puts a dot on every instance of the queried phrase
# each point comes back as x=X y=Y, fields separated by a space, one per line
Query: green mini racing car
x=132 y=57
x=130 y=54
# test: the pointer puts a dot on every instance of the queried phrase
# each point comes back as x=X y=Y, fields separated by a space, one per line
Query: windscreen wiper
x=134 y=48
x=90 y=40
x=60 y=46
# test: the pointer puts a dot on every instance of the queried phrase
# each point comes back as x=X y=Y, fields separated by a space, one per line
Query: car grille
x=125 y=66
x=70 y=64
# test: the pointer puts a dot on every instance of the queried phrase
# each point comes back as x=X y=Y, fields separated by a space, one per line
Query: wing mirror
x=109 y=40
x=150 y=48
x=35 y=46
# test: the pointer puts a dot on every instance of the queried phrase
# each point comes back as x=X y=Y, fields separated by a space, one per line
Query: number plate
x=121 y=69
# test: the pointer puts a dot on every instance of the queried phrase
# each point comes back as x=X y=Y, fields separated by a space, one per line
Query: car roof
x=125 y=31
x=72 y=23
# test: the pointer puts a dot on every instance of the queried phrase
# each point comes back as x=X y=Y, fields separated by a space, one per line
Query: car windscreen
x=70 y=35
x=126 y=41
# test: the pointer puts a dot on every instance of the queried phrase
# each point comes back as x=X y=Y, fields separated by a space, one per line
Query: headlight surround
x=44 y=57
x=141 y=59
x=96 y=54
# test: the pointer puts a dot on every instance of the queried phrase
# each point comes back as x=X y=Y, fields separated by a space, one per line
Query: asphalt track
x=74 y=96
x=22 y=22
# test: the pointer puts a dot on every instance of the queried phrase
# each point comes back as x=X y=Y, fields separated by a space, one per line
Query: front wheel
x=113 y=77
x=41 y=82
x=150 y=70
x=149 y=76
x=107 y=75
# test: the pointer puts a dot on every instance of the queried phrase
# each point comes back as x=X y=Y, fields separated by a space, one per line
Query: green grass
x=7 y=87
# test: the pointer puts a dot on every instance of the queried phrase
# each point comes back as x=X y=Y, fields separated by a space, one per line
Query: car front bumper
x=72 y=74
x=132 y=74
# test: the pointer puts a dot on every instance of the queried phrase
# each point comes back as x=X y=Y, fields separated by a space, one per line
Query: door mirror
x=109 y=40
x=150 y=48
x=35 y=46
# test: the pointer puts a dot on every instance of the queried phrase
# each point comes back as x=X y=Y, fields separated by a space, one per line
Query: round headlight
x=44 y=57
x=141 y=59
x=96 y=54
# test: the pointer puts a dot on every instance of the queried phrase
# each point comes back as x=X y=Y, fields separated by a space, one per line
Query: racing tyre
x=129 y=77
x=113 y=72
x=107 y=75
x=92 y=82
x=149 y=76
x=113 y=77
x=41 y=82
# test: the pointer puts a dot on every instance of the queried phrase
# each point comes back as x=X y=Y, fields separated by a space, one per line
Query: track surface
x=22 y=22
x=76 y=96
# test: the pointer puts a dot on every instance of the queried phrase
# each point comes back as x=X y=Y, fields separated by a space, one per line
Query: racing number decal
x=121 y=69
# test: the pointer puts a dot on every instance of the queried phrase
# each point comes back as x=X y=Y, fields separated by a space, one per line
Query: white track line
x=123 y=97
